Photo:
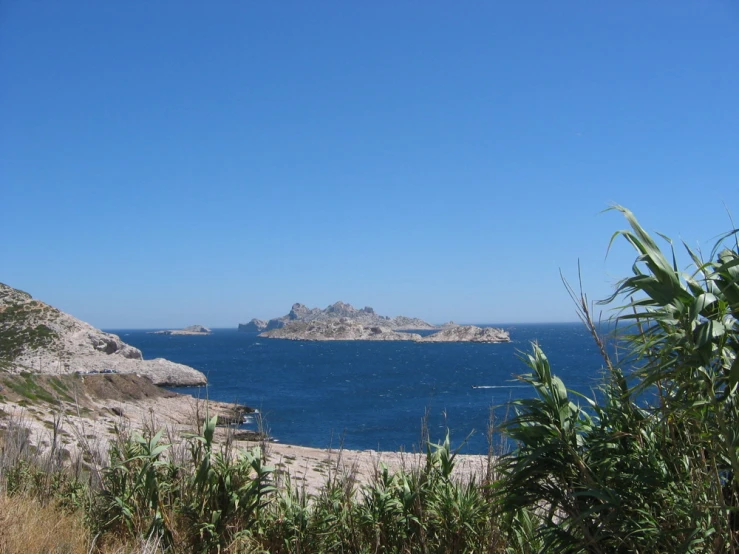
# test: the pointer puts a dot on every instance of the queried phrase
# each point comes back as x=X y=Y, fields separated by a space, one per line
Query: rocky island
x=336 y=329
x=191 y=330
x=365 y=316
x=38 y=338
x=342 y=321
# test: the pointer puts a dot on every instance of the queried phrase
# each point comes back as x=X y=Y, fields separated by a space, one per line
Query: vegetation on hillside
x=19 y=330
x=650 y=465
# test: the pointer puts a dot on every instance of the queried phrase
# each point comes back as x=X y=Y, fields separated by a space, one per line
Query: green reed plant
x=204 y=503
x=381 y=512
x=336 y=522
x=289 y=521
x=627 y=473
x=684 y=339
x=134 y=487
x=427 y=510
x=421 y=509
x=327 y=522
x=226 y=493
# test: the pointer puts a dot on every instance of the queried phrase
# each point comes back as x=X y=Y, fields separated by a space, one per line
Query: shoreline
x=107 y=405
x=311 y=467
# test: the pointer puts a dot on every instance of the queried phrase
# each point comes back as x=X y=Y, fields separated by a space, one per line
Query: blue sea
x=374 y=395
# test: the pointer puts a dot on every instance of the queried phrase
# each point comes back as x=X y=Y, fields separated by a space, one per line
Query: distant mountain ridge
x=365 y=316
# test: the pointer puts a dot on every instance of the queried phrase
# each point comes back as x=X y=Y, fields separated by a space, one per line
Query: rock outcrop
x=39 y=338
x=335 y=329
x=190 y=330
x=468 y=333
x=365 y=316
x=254 y=326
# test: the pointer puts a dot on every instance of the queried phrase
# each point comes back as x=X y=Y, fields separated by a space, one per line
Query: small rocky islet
x=341 y=321
x=190 y=330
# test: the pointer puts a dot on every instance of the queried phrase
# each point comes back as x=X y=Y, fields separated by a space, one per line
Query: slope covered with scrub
x=39 y=338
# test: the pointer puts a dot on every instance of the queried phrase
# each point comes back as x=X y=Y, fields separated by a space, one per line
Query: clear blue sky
x=170 y=163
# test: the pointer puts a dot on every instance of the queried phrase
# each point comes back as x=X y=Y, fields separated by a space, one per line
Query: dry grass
x=27 y=527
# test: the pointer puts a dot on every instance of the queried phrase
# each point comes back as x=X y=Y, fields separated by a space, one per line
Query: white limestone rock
x=365 y=316
x=468 y=333
x=39 y=338
x=335 y=329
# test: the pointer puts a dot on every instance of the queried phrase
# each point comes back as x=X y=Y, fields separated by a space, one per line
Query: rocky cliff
x=39 y=338
x=365 y=316
x=335 y=329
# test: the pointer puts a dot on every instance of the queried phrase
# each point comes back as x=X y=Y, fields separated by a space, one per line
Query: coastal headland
x=38 y=338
